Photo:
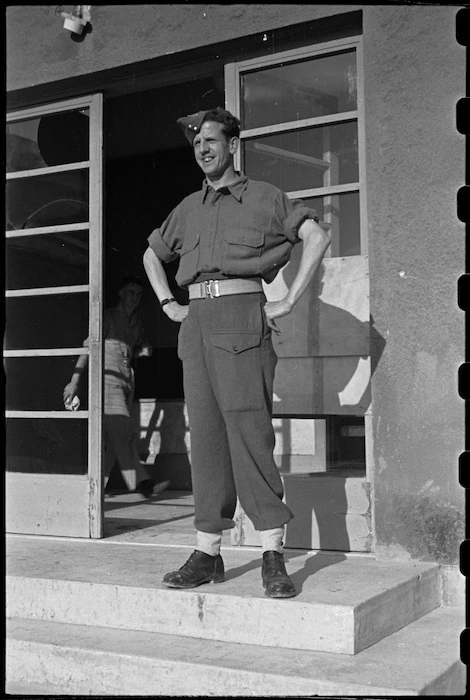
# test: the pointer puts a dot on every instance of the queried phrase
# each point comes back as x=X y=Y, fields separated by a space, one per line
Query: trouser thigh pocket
x=238 y=370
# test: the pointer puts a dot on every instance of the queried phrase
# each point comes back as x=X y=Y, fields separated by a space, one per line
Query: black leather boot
x=276 y=582
x=200 y=568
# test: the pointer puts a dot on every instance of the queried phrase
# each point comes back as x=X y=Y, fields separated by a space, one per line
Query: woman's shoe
x=149 y=488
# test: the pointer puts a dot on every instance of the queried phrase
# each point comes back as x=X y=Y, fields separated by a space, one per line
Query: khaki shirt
x=247 y=229
x=123 y=338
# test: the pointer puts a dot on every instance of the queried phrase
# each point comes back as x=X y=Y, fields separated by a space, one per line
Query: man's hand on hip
x=176 y=312
x=276 y=309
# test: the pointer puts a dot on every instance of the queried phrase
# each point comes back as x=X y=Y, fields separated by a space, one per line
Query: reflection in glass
x=55 y=139
x=46 y=446
x=342 y=212
x=46 y=321
x=47 y=260
x=37 y=383
x=47 y=200
x=305 y=158
x=300 y=90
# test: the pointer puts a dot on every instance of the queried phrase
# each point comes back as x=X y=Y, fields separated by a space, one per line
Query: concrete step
x=346 y=603
x=422 y=659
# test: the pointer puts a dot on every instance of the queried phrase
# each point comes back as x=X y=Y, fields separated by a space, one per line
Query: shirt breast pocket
x=189 y=255
x=242 y=252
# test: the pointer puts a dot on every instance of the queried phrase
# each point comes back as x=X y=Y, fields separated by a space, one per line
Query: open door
x=53 y=302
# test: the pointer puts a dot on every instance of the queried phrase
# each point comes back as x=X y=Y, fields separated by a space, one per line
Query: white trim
x=325 y=191
x=232 y=101
x=46 y=352
x=46 y=414
x=95 y=340
x=39 y=230
x=43 y=291
x=324 y=120
x=36 y=172
x=310 y=51
x=52 y=108
x=361 y=150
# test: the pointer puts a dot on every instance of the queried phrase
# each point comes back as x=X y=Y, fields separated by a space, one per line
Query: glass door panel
x=48 y=260
x=53 y=244
x=46 y=321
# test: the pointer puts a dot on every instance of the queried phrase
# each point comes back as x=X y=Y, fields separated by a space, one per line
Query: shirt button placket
x=213 y=228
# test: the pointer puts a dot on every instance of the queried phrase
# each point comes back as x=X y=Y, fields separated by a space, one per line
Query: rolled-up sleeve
x=292 y=213
x=165 y=241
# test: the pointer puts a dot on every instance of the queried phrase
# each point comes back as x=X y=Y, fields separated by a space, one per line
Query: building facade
x=348 y=107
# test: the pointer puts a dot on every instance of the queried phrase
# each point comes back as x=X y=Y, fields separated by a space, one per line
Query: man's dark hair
x=130 y=279
x=231 y=125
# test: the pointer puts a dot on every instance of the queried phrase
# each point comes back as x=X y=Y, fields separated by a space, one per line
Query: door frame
x=75 y=507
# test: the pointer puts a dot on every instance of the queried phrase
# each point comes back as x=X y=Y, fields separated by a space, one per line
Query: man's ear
x=234 y=143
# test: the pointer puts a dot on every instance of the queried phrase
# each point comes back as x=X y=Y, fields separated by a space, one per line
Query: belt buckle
x=211 y=288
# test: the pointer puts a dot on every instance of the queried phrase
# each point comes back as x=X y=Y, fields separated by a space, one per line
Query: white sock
x=208 y=542
x=272 y=540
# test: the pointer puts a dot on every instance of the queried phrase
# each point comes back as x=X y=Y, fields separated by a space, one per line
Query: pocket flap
x=254 y=239
x=235 y=342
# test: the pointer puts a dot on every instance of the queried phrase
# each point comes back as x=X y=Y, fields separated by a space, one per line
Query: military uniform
x=245 y=231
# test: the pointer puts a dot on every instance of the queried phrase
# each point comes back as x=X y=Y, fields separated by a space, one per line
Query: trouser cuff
x=208 y=542
x=272 y=540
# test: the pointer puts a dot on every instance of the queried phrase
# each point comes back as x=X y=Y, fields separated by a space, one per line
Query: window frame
x=233 y=74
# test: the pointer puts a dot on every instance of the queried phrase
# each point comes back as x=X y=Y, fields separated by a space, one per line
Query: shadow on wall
x=339 y=353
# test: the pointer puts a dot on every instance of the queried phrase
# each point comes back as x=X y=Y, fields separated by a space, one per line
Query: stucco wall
x=414 y=75
x=124 y=34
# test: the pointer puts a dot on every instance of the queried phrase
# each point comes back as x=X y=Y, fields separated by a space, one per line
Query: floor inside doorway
x=167 y=518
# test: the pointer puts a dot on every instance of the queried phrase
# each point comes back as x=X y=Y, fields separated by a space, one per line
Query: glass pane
x=46 y=445
x=342 y=212
x=304 y=159
x=346 y=443
x=47 y=260
x=37 y=383
x=47 y=200
x=46 y=321
x=55 y=139
x=300 y=90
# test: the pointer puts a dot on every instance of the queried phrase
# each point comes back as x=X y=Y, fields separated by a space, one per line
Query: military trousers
x=228 y=373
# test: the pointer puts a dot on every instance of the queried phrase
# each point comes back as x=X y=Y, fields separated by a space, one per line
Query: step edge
x=335 y=687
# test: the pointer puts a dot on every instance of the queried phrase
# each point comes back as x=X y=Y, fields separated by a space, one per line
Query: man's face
x=213 y=151
x=131 y=296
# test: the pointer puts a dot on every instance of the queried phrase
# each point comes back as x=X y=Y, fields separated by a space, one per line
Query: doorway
x=149 y=168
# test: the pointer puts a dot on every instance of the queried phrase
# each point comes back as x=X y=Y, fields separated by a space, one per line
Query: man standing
x=229 y=237
x=124 y=340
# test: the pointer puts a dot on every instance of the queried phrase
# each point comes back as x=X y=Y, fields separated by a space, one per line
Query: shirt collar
x=236 y=188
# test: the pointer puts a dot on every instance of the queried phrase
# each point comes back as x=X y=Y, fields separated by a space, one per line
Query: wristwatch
x=167 y=301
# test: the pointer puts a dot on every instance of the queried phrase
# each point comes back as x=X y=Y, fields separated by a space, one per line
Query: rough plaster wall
x=124 y=34
x=414 y=75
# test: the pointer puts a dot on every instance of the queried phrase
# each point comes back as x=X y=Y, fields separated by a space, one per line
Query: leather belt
x=211 y=289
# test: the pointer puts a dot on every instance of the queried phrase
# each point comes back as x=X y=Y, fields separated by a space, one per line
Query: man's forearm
x=79 y=367
x=157 y=275
x=315 y=243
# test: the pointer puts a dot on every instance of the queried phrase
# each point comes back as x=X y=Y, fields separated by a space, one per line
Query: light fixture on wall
x=76 y=20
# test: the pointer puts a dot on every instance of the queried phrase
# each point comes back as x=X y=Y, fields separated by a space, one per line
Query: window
x=301 y=127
